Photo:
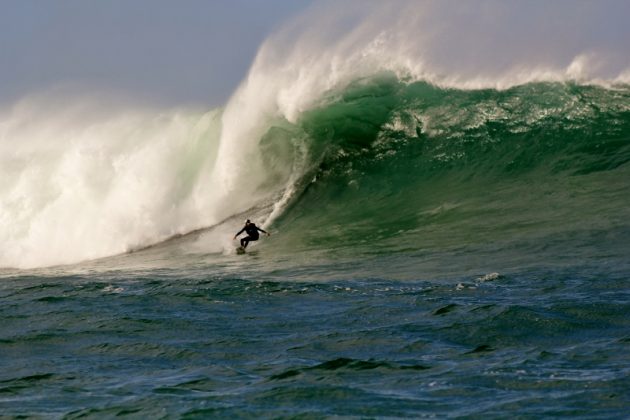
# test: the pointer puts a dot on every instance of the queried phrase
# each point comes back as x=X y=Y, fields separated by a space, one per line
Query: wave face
x=539 y=169
x=405 y=117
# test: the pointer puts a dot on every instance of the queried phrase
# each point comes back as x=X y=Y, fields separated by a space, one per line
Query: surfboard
x=240 y=250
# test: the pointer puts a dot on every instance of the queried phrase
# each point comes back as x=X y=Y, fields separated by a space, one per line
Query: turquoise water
x=446 y=253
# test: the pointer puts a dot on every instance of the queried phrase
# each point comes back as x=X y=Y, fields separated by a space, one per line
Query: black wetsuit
x=252 y=234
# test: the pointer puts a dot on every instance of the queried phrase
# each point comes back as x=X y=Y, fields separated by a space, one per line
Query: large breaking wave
x=372 y=122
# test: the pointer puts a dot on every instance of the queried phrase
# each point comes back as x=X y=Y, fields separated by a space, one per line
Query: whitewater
x=446 y=185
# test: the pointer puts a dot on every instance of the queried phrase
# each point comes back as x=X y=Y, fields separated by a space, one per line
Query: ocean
x=436 y=250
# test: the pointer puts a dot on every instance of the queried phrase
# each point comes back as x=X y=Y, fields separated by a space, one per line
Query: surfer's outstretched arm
x=263 y=231
x=239 y=232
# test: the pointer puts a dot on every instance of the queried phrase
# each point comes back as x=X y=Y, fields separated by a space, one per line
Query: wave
x=404 y=166
x=370 y=111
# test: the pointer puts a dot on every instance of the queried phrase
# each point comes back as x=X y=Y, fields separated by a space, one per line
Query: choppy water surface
x=184 y=341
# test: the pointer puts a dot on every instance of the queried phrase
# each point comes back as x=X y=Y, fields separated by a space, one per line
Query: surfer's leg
x=247 y=240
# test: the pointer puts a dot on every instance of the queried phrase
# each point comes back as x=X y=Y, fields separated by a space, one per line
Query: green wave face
x=402 y=167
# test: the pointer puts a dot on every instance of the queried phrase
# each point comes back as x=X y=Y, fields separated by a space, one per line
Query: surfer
x=252 y=233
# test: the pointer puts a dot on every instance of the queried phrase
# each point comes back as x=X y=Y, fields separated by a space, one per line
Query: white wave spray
x=79 y=182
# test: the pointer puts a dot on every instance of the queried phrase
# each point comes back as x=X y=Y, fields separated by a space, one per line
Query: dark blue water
x=187 y=342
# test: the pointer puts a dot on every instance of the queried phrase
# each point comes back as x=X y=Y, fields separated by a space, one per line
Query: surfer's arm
x=263 y=231
x=239 y=232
